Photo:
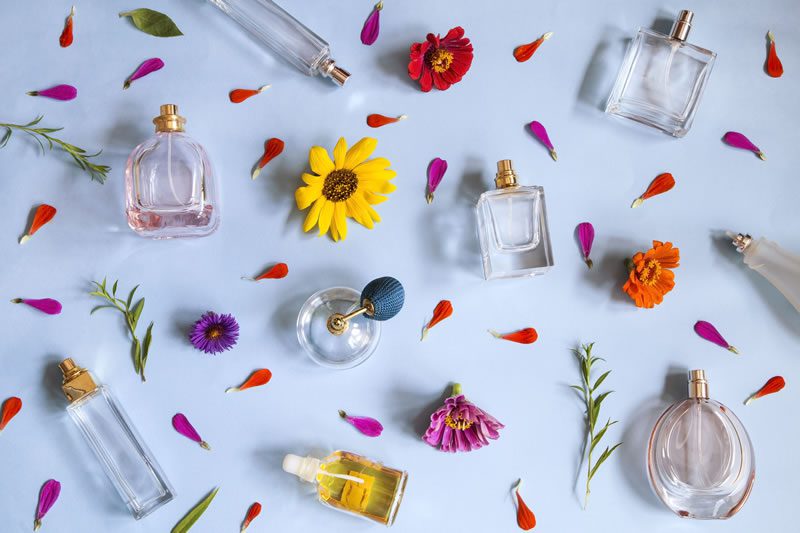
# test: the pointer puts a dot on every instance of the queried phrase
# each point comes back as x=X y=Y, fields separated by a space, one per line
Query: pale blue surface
x=603 y=165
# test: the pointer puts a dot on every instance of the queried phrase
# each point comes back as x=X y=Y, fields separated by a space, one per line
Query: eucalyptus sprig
x=132 y=312
x=587 y=390
x=96 y=172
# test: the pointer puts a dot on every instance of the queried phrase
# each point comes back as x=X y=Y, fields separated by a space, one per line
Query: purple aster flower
x=214 y=333
x=460 y=425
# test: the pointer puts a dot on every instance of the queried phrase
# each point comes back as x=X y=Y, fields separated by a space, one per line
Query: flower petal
x=311 y=179
x=339 y=153
x=305 y=196
x=325 y=217
x=340 y=219
x=313 y=214
x=320 y=161
x=373 y=165
x=360 y=152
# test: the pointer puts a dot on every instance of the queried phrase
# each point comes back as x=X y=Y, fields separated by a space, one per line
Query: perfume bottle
x=662 y=79
x=512 y=228
x=126 y=460
x=699 y=458
x=780 y=267
x=351 y=483
x=170 y=186
x=271 y=25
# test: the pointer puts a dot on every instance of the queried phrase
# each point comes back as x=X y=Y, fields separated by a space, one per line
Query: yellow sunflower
x=348 y=186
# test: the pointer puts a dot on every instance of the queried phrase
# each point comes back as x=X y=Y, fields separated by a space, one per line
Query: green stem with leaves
x=96 y=172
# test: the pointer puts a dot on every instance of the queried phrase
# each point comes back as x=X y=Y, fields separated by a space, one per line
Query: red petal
x=454 y=34
x=426 y=80
x=526 y=520
x=10 y=409
x=774 y=65
x=278 y=271
x=439 y=81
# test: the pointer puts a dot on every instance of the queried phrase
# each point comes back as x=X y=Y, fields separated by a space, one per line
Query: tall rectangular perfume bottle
x=125 y=458
x=512 y=228
x=662 y=79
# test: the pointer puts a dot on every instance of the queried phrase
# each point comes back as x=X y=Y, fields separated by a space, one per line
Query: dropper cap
x=680 y=30
x=698 y=386
x=305 y=468
x=169 y=120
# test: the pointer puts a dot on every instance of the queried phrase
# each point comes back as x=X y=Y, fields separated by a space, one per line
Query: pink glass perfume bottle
x=170 y=186
x=700 y=459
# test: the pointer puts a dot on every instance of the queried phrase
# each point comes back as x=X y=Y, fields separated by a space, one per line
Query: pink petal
x=707 y=331
x=436 y=171
x=372 y=26
x=59 y=92
x=185 y=428
x=47 y=497
x=540 y=133
x=45 y=305
x=366 y=425
x=738 y=140
x=586 y=236
x=147 y=67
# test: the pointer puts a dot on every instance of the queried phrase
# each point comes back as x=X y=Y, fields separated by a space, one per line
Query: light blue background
x=603 y=165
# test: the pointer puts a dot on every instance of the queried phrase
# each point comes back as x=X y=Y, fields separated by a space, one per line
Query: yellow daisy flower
x=348 y=186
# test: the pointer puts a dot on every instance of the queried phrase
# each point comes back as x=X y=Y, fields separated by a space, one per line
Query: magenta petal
x=185 y=428
x=47 y=497
x=45 y=305
x=586 y=237
x=436 y=171
x=372 y=26
x=707 y=331
x=59 y=92
x=540 y=133
x=738 y=140
x=366 y=425
x=147 y=67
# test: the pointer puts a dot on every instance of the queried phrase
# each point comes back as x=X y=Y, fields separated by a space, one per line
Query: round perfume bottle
x=700 y=459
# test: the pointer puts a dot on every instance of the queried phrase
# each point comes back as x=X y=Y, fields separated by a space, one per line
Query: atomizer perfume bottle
x=286 y=36
x=662 y=79
x=780 y=267
x=170 y=186
x=125 y=458
x=512 y=228
x=699 y=458
x=353 y=484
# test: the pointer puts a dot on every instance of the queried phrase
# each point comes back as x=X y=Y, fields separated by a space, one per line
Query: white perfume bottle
x=512 y=228
x=662 y=79
x=271 y=25
x=125 y=458
x=780 y=267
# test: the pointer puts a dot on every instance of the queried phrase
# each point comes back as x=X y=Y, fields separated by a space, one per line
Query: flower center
x=457 y=423
x=340 y=185
x=214 y=332
x=439 y=59
x=650 y=273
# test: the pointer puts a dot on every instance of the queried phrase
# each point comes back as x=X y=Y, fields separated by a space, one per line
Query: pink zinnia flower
x=461 y=426
x=440 y=61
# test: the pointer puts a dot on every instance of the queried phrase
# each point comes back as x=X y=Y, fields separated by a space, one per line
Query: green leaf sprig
x=194 y=514
x=132 y=312
x=98 y=173
x=588 y=391
x=153 y=22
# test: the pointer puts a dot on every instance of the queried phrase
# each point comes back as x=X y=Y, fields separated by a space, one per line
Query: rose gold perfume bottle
x=700 y=459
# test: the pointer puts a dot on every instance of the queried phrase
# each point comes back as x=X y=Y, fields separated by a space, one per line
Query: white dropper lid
x=305 y=468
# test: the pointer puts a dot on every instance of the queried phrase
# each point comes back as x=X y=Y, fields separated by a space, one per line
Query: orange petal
x=442 y=311
x=278 y=271
x=773 y=385
x=252 y=513
x=526 y=520
x=376 y=121
x=43 y=214
x=272 y=149
x=774 y=65
x=237 y=96
x=660 y=185
x=10 y=409
x=256 y=379
x=525 y=52
x=522 y=336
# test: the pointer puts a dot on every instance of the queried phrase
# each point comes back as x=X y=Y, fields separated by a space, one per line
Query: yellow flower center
x=340 y=185
x=439 y=59
x=214 y=332
x=650 y=273
x=459 y=423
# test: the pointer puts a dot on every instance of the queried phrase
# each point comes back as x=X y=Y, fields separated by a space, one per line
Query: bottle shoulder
x=519 y=191
x=652 y=38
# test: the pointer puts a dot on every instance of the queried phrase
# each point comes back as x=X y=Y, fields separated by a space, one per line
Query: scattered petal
x=661 y=184
x=372 y=26
x=148 y=66
x=185 y=428
x=47 y=497
x=252 y=513
x=10 y=409
x=272 y=149
x=525 y=52
x=58 y=92
x=540 y=133
x=237 y=96
x=586 y=237
x=461 y=426
x=66 y=37
x=774 y=66
x=45 y=305
x=773 y=385
x=526 y=520
x=442 y=311
x=522 y=336
x=707 y=331
x=256 y=379
x=194 y=514
x=44 y=214
x=376 y=121
x=737 y=140
x=436 y=171
x=278 y=271
x=366 y=425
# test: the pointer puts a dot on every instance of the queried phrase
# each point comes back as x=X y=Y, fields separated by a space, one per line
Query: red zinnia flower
x=440 y=61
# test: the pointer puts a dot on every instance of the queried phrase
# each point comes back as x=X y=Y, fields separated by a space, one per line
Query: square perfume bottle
x=662 y=79
x=512 y=228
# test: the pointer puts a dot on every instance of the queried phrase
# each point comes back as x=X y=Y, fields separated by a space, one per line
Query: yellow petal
x=320 y=161
x=379 y=186
x=334 y=231
x=377 y=175
x=311 y=179
x=325 y=217
x=374 y=199
x=340 y=219
x=360 y=152
x=379 y=163
x=355 y=212
x=363 y=207
x=374 y=214
x=339 y=153
x=313 y=214
x=305 y=196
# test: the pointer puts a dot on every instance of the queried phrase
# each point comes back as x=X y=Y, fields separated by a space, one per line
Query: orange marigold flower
x=651 y=276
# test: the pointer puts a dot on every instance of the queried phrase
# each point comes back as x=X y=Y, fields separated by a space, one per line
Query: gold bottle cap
x=698 y=386
x=680 y=30
x=506 y=177
x=77 y=381
x=169 y=119
x=337 y=74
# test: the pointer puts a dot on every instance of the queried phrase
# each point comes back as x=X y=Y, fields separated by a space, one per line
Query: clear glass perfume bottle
x=662 y=79
x=700 y=459
x=170 y=186
x=125 y=458
x=512 y=228
x=272 y=26
x=352 y=483
x=780 y=267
